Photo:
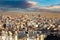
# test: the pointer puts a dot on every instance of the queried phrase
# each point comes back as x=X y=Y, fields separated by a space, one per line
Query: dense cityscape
x=29 y=19
x=24 y=27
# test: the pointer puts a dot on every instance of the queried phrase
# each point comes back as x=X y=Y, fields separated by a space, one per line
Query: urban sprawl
x=22 y=27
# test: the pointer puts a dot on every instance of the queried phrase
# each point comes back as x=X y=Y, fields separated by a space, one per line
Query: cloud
x=32 y=3
x=52 y=7
x=17 y=4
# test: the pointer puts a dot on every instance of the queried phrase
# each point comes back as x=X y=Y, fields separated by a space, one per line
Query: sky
x=47 y=2
x=28 y=4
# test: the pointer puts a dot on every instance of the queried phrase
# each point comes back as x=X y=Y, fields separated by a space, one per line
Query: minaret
x=16 y=38
x=42 y=36
x=3 y=35
x=37 y=35
x=6 y=35
x=0 y=34
x=10 y=35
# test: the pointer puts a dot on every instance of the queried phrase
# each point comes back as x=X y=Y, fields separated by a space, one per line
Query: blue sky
x=39 y=2
x=23 y=4
x=47 y=2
